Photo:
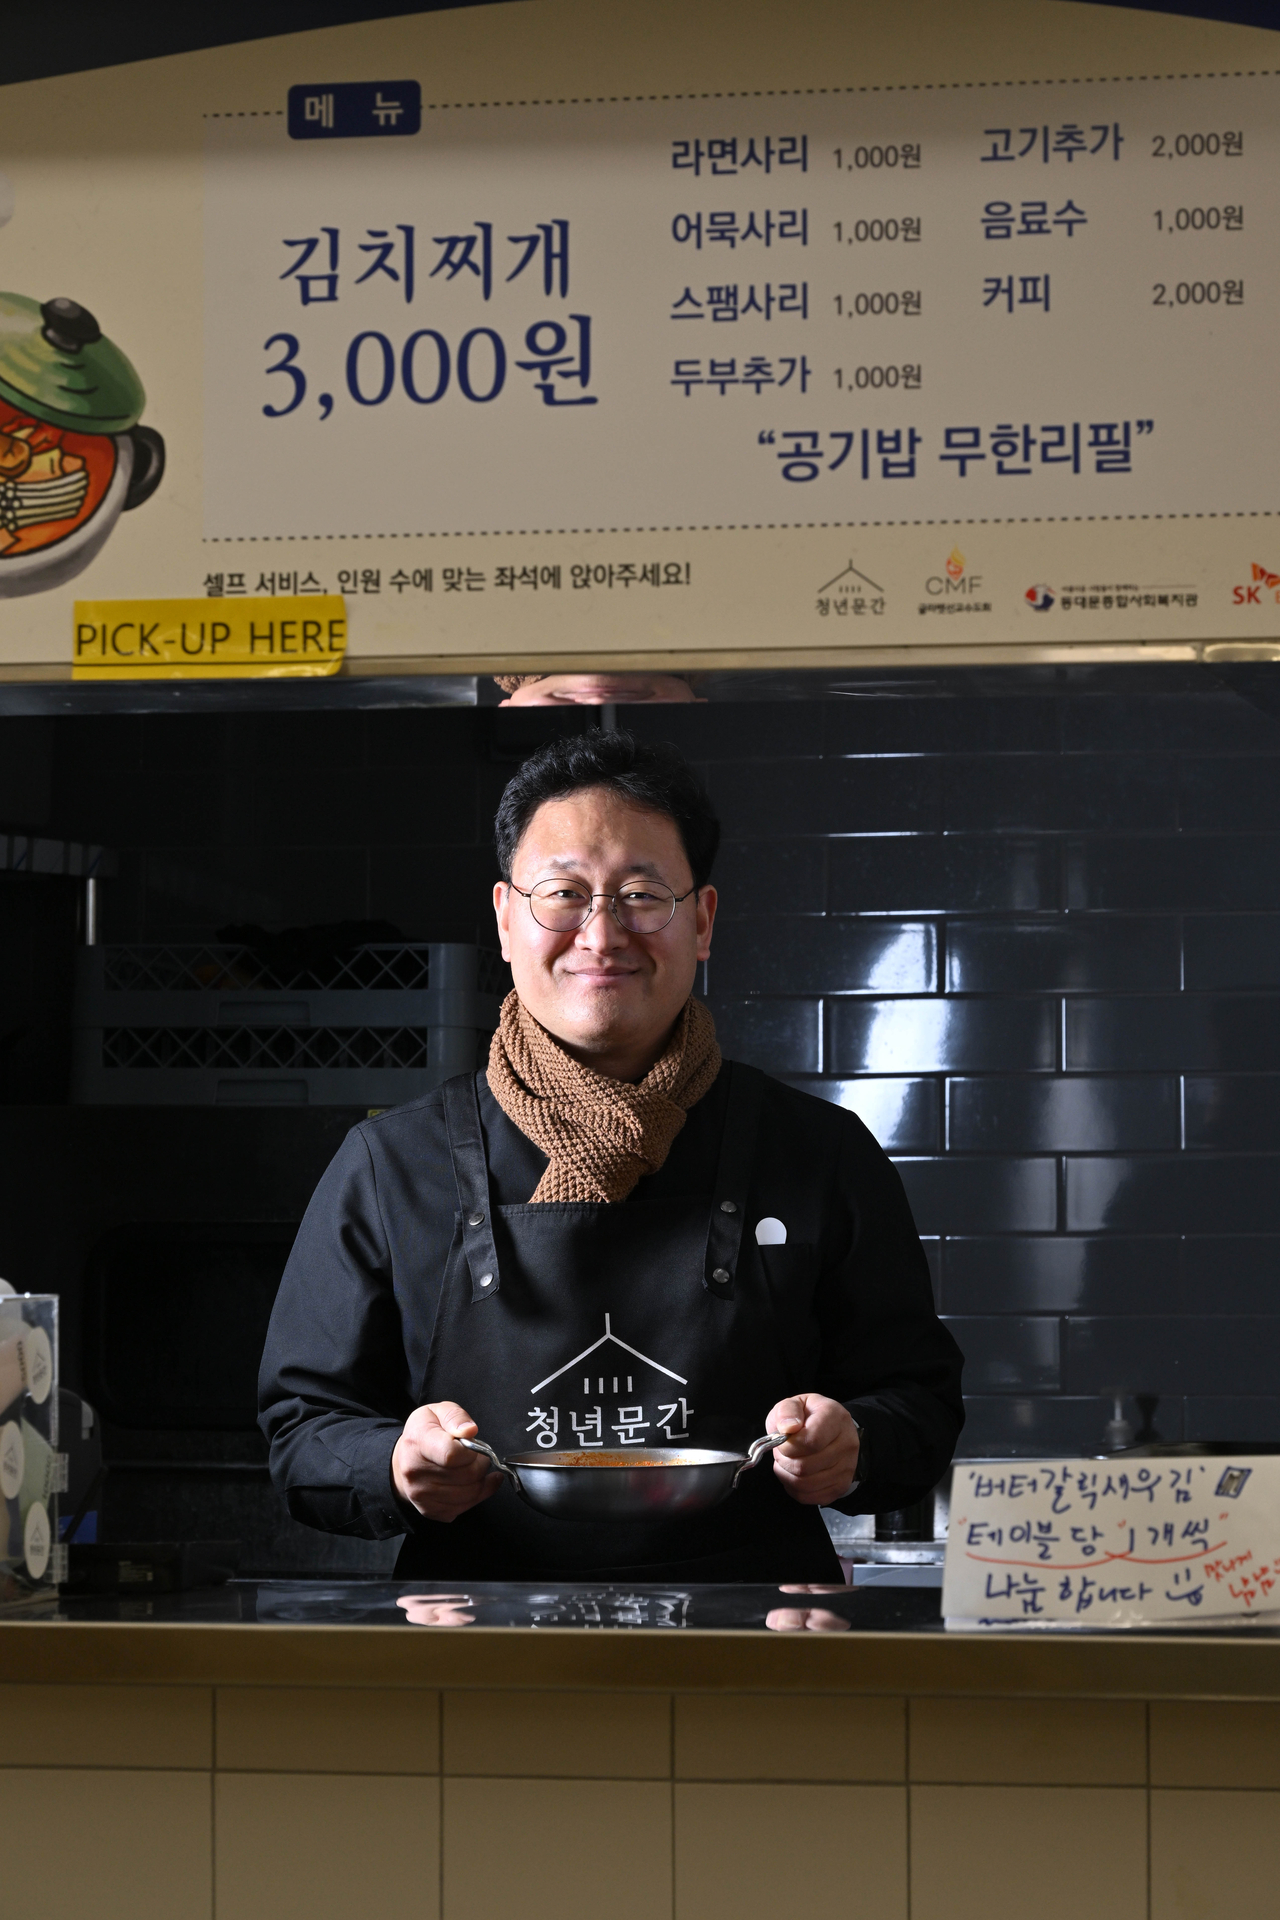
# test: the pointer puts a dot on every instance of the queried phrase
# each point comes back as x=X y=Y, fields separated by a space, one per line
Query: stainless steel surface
x=660 y=1483
x=895 y=1553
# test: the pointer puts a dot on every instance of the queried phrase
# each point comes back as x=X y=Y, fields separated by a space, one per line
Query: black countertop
x=712 y=1609
x=379 y=1633
x=375 y=1603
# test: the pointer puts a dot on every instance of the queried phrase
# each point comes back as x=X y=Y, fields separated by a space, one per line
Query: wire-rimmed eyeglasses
x=562 y=906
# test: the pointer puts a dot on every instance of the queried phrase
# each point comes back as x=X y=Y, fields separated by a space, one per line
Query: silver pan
x=654 y=1483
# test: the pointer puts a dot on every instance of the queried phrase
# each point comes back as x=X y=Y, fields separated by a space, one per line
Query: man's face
x=608 y=995
x=600 y=689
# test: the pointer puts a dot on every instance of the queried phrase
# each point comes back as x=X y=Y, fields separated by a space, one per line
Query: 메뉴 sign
x=276 y=638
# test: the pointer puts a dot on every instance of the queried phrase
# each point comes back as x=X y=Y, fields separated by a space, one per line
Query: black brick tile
x=782 y=1036
x=406 y=805
x=1048 y=793
x=961 y=873
x=1066 y=956
x=1200 y=722
x=122 y=914
x=183 y=809
x=1236 y=795
x=1004 y=724
x=981 y=1196
x=817 y=954
x=1190 y=1355
x=131 y=808
x=1231 y=1273
x=435 y=892
x=1250 y=1418
x=1186 y=1193
x=1204 y=873
x=324 y=743
x=939 y=1035
x=771 y=877
x=90 y=751
x=1061 y=1273
x=1062 y=1115
x=1007 y=1353
x=1185 y=1031
x=1004 y=1427
x=185 y=743
x=733 y=730
x=189 y=897
x=1226 y=1112
x=760 y=799
x=1231 y=950
x=509 y=735
x=418 y=736
x=933 y=1254
x=764 y=797
x=904 y=1115
x=26 y=770
x=895 y=795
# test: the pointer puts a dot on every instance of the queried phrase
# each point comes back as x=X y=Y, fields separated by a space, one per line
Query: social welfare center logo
x=1039 y=598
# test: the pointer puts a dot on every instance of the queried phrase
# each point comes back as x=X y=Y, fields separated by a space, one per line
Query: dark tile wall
x=275 y=818
x=1032 y=938
x=1034 y=942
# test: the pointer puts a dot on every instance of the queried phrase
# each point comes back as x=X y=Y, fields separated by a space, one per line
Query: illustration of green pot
x=72 y=455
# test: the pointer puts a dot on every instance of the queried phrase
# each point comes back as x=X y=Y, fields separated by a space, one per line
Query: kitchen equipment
x=369 y=1025
x=657 y=1483
x=72 y=455
x=150 y=1567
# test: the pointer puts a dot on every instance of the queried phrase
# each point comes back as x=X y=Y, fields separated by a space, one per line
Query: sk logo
x=1263 y=581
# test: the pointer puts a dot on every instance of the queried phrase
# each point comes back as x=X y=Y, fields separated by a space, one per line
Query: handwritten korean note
x=1113 y=1543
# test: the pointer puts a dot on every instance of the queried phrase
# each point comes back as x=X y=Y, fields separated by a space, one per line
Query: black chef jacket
x=347 y=1348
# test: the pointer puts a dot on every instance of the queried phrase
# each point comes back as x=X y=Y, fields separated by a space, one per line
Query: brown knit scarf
x=599 y=1135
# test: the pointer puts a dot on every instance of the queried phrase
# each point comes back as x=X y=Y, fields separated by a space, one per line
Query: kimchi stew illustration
x=73 y=456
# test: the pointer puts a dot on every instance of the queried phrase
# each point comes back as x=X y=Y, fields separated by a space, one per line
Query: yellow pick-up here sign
x=277 y=638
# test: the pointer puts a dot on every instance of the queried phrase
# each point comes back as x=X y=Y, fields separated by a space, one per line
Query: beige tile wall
x=182 y=1803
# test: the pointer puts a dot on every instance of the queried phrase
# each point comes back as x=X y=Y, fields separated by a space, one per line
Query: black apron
x=641 y=1324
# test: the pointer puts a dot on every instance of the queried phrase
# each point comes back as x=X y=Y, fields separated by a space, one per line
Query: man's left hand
x=818 y=1463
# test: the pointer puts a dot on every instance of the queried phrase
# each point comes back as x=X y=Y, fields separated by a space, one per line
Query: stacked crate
x=216 y=1025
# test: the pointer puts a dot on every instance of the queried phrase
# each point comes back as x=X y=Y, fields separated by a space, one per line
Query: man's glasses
x=562 y=906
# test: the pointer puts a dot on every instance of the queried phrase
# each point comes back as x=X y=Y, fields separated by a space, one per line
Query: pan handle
x=756 y=1451
x=482 y=1446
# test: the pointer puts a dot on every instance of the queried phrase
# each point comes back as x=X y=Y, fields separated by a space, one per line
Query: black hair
x=654 y=777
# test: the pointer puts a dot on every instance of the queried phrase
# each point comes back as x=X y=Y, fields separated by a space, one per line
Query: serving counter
x=300 y=1749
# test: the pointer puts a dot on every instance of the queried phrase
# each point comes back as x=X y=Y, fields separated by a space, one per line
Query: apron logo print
x=587 y=1422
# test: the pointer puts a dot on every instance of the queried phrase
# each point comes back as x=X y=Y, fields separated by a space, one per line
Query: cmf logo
x=955 y=579
x=1040 y=599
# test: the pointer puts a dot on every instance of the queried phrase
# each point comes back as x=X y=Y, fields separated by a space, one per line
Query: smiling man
x=610 y=1241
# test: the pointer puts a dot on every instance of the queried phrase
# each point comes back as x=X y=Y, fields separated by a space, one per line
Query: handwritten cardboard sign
x=1112 y=1543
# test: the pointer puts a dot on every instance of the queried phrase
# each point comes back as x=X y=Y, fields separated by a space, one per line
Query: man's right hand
x=432 y=1472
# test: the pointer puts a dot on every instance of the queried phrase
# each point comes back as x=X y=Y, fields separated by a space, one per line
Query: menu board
x=860 y=308
x=1113 y=1543
x=559 y=339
